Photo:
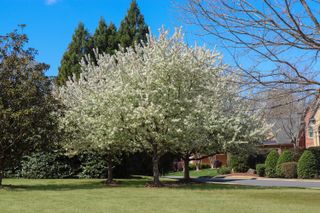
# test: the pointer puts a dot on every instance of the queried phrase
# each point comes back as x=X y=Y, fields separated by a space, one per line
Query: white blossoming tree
x=161 y=96
x=213 y=116
x=94 y=115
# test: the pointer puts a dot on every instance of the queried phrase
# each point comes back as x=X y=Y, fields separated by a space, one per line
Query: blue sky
x=51 y=23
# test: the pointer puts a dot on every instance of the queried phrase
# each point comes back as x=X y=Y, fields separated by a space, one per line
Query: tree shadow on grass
x=54 y=186
x=75 y=184
x=135 y=182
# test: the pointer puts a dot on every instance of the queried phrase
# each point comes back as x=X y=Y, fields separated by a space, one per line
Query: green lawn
x=194 y=173
x=90 y=196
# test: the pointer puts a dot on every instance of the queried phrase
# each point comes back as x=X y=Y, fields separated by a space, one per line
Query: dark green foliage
x=201 y=166
x=316 y=152
x=285 y=157
x=77 y=49
x=261 y=170
x=224 y=170
x=205 y=166
x=271 y=163
x=93 y=166
x=133 y=29
x=46 y=165
x=239 y=163
x=26 y=102
x=307 y=165
x=289 y=169
x=105 y=38
x=297 y=154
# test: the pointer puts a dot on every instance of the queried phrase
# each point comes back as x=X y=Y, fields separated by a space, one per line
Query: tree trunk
x=186 y=172
x=156 y=173
x=1 y=170
x=110 y=170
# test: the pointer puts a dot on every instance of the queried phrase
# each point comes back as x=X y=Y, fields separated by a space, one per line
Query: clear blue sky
x=51 y=23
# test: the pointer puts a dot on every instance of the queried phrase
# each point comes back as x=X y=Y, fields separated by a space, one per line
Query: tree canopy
x=158 y=97
x=133 y=28
x=25 y=96
x=77 y=50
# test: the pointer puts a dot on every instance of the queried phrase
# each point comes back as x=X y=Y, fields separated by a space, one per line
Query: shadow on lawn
x=66 y=185
x=136 y=182
x=54 y=186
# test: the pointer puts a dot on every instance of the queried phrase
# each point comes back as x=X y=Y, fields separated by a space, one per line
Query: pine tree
x=77 y=49
x=133 y=28
x=105 y=37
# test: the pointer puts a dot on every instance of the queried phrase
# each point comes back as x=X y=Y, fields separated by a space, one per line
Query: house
x=273 y=144
x=310 y=129
x=213 y=161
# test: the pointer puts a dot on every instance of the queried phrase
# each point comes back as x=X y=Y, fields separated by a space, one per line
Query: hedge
x=285 y=157
x=224 y=170
x=307 y=165
x=46 y=165
x=261 y=170
x=289 y=169
x=239 y=163
x=316 y=152
x=271 y=163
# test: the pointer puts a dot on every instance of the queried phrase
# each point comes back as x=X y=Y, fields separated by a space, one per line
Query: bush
x=224 y=170
x=93 y=165
x=271 y=163
x=239 y=163
x=261 y=170
x=205 y=166
x=289 y=169
x=202 y=166
x=307 y=165
x=316 y=152
x=285 y=157
x=46 y=165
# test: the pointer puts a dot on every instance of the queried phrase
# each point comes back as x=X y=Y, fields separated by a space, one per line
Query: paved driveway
x=259 y=182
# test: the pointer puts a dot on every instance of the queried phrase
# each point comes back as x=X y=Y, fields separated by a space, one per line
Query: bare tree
x=272 y=42
x=284 y=113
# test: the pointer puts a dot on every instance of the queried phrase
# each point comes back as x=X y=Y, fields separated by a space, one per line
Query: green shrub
x=289 y=169
x=93 y=165
x=261 y=170
x=224 y=170
x=285 y=157
x=307 y=165
x=271 y=163
x=202 y=166
x=316 y=152
x=205 y=166
x=192 y=166
x=239 y=163
x=46 y=165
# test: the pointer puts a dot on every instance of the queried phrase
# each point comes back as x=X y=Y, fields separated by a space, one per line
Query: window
x=310 y=130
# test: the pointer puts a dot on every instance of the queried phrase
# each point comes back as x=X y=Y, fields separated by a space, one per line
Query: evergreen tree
x=27 y=118
x=105 y=37
x=77 y=49
x=133 y=28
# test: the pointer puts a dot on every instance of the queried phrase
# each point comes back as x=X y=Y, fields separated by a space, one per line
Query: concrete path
x=258 y=181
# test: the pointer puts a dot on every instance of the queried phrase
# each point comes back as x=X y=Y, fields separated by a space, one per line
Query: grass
x=32 y=196
x=194 y=173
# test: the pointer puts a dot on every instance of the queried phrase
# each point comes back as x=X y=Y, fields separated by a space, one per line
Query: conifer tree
x=77 y=49
x=105 y=37
x=133 y=28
